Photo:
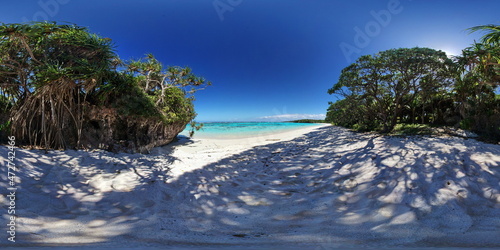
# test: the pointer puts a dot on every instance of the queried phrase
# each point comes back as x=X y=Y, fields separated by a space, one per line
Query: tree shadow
x=81 y=196
x=367 y=189
x=329 y=188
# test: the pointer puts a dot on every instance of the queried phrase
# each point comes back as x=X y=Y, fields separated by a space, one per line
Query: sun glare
x=451 y=51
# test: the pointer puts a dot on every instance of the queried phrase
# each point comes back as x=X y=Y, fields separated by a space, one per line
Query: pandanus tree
x=478 y=78
x=161 y=83
x=485 y=56
x=492 y=35
x=62 y=86
x=47 y=71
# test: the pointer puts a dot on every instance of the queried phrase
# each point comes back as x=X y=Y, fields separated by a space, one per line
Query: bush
x=412 y=129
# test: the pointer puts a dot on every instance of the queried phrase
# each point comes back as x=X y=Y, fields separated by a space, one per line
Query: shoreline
x=317 y=187
x=251 y=134
x=253 y=137
x=196 y=153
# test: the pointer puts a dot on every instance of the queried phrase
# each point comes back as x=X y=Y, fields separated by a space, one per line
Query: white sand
x=314 y=188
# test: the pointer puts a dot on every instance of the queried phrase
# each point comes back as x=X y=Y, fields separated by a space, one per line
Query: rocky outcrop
x=105 y=129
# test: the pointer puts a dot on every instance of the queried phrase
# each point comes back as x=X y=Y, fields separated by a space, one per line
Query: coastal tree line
x=64 y=87
x=422 y=86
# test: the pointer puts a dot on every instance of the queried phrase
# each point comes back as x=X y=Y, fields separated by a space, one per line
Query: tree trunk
x=147 y=81
x=394 y=118
x=413 y=115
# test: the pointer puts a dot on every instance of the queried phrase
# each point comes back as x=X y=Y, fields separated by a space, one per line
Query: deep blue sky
x=266 y=58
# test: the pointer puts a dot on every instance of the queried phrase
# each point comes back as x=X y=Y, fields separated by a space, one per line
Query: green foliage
x=378 y=89
x=5 y=107
x=401 y=88
x=477 y=82
x=48 y=71
x=5 y=126
x=362 y=127
x=171 y=89
x=5 y=104
x=51 y=75
x=493 y=33
x=467 y=123
x=177 y=108
x=412 y=129
x=348 y=112
x=153 y=77
x=194 y=127
x=122 y=93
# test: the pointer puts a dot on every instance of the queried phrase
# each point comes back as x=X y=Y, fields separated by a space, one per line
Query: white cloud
x=291 y=117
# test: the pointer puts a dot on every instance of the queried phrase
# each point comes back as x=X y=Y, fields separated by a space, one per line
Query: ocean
x=227 y=130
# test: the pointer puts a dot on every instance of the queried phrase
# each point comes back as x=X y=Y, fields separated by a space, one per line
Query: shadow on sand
x=329 y=188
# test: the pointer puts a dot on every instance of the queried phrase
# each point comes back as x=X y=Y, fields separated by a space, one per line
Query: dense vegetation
x=63 y=87
x=422 y=86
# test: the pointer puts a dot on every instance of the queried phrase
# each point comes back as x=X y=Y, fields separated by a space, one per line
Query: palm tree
x=478 y=78
x=493 y=35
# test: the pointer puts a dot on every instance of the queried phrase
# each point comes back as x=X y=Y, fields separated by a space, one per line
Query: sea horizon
x=230 y=130
x=287 y=121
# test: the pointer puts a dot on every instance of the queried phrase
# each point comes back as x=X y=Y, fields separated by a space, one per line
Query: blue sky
x=267 y=59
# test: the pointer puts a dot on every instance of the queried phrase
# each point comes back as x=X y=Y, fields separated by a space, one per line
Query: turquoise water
x=243 y=129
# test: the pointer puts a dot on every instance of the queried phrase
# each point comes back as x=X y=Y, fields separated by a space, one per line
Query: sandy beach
x=318 y=187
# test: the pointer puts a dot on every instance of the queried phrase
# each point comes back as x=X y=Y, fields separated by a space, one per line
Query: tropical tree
x=62 y=86
x=478 y=78
x=388 y=83
x=351 y=113
x=166 y=85
x=492 y=35
x=154 y=78
x=47 y=72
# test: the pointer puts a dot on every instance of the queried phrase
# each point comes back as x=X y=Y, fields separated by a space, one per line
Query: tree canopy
x=424 y=86
x=477 y=83
x=382 y=87
x=56 y=80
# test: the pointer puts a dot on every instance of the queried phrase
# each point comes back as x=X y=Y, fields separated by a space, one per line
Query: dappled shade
x=331 y=187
